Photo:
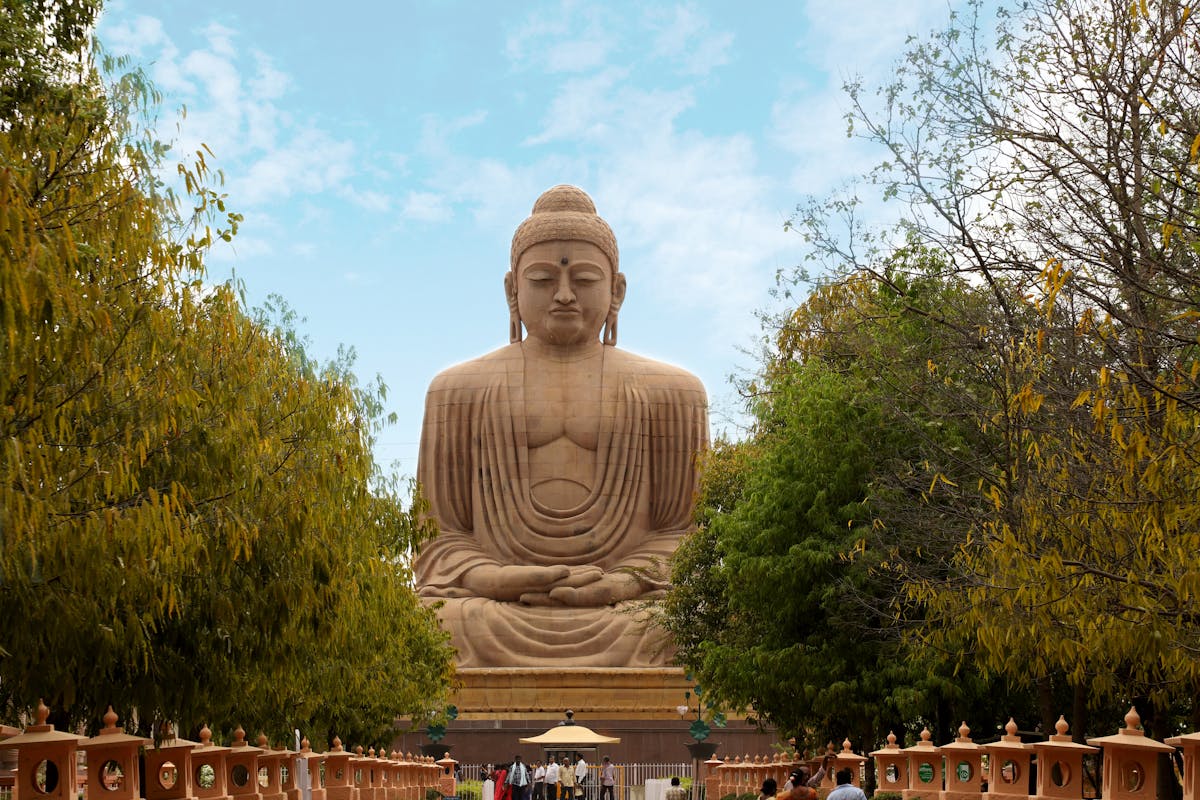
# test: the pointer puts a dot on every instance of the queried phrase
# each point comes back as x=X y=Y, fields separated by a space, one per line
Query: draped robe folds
x=474 y=471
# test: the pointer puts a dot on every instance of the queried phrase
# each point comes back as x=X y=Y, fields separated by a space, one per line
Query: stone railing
x=47 y=764
x=999 y=770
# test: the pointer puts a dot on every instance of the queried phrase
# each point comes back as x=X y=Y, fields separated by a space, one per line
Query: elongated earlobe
x=514 y=327
x=514 y=313
x=609 y=334
x=610 y=329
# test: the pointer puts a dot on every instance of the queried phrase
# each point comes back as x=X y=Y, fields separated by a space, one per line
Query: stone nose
x=564 y=294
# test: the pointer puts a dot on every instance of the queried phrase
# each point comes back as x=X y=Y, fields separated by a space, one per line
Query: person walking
x=503 y=789
x=581 y=775
x=520 y=779
x=802 y=787
x=608 y=779
x=566 y=780
x=552 y=779
x=845 y=789
x=539 y=781
x=676 y=792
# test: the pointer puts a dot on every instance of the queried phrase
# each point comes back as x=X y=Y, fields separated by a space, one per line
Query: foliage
x=783 y=601
x=1050 y=160
x=193 y=525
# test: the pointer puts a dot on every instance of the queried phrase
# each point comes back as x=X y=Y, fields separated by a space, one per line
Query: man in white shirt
x=581 y=774
x=539 y=781
x=552 y=780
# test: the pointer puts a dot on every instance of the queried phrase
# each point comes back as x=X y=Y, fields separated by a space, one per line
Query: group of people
x=549 y=781
x=803 y=786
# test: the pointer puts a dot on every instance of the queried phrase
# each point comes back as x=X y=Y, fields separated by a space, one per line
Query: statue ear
x=618 y=293
x=610 y=322
x=514 y=314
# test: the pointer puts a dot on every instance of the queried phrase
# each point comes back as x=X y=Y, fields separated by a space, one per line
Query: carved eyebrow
x=588 y=273
x=589 y=266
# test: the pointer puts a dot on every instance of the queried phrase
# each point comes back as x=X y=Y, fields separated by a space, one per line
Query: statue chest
x=564 y=404
x=562 y=427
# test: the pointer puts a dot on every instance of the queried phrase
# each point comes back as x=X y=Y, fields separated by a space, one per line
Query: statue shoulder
x=657 y=374
x=476 y=373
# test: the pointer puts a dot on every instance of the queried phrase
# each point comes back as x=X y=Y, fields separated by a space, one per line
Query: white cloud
x=578 y=56
x=696 y=211
x=220 y=39
x=808 y=120
x=693 y=214
x=811 y=126
x=142 y=37
x=682 y=35
x=571 y=39
x=426 y=207
x=869 y=39
x=368 y=199
x=135 y=37
x=232 y=100
x=437 y=131
x=245 y=248
x=268 y=82
x=310 y=162
x=221 y=85
x=592 y=108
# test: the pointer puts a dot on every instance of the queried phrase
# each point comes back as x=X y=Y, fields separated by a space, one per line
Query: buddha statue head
x=563 y=282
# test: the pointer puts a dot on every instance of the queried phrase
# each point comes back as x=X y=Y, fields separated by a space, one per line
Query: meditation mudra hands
x=583 y=586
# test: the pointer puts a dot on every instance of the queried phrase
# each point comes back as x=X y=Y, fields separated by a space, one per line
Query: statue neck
x=561 y=352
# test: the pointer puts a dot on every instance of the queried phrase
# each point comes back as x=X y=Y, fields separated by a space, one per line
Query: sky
x=383 y=153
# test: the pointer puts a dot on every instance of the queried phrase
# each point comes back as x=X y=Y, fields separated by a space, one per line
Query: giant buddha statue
x=559 y=468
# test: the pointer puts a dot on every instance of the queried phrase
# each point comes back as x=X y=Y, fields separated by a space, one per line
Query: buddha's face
x=564 y=291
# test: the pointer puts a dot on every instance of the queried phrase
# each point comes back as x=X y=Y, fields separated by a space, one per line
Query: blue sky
x=383 y=154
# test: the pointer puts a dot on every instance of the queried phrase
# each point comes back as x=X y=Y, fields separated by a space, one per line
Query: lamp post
x=700 y=749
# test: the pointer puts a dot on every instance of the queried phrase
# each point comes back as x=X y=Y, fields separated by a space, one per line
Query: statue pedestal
x=545 y=693
x=499 y=705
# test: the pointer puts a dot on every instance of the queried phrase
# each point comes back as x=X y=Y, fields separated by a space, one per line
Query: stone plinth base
x=643 y=741
x=532 y=693
x=499 y=706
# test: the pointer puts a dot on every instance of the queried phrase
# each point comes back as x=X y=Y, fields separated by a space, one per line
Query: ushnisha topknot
x=564 y=213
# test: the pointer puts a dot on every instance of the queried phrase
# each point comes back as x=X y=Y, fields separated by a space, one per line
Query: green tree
x=1050 y=159
x=191 y=521
x=787 y=600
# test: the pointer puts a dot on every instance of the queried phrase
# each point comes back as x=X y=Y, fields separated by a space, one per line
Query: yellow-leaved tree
x=1050 y=158
x=192 y=525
